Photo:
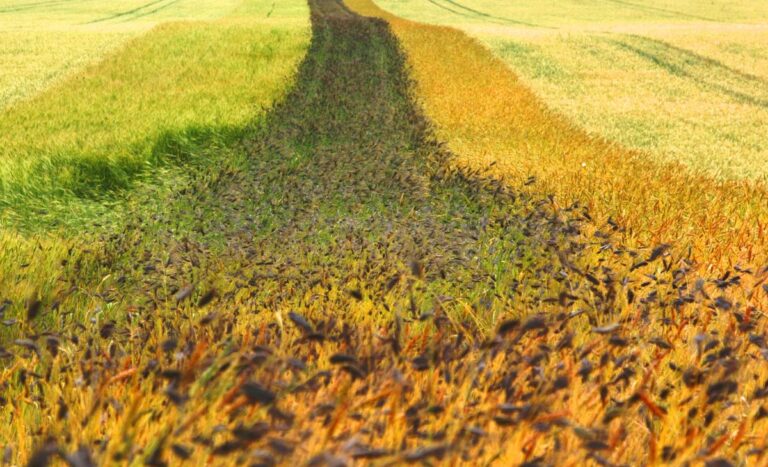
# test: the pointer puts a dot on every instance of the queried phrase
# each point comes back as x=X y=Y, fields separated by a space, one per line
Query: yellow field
x=686 y=82
x=510 y=132
x=43 y=41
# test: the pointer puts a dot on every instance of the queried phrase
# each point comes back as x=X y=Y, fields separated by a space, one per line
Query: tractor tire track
x=682 y=64
x=31 y=6
x=152 y=12
x=122 y=14
x=497 y=18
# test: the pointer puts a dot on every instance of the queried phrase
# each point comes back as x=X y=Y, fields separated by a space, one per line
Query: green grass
x=127 y=130
x=175 y=88
x=43 y=42
x=682 y=81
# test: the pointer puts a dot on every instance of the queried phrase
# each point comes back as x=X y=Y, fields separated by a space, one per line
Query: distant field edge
x=492 y=121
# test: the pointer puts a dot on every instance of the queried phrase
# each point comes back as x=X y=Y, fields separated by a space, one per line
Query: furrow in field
x=743 y=88
x=471 y=12
x=697 y=60
x=153 y=11
x=663 y=11
x=30 y=6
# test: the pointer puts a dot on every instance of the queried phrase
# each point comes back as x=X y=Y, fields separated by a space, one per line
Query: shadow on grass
x=73 y=190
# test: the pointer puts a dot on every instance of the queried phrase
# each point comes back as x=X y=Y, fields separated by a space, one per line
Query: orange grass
x=490 y=119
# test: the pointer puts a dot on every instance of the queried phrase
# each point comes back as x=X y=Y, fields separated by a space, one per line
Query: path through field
x=329 y=292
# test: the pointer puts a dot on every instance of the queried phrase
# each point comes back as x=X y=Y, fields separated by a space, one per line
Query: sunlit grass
x=328 y=289
x=170 y=95
x=492 y=121
x=592 y=14
x=685 y=82
x=327 y=201
x=32 y=60
x=179 y=84
x=509 y=126
x=42 y=42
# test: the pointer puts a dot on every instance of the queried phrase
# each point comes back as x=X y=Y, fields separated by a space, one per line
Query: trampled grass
x=685 y=82
x=178 y=85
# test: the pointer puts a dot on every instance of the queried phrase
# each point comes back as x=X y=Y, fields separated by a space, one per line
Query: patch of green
x=531 y=57
x=178 y=88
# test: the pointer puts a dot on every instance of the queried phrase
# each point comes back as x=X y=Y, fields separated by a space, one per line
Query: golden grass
x=488 y=117
x=685 y=83
x=492 y=121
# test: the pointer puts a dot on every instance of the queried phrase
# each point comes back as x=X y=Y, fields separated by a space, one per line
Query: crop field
x=682 y=81
x=188 y=81
x=316 y=233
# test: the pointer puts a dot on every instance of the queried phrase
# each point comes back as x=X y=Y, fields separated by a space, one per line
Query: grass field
x=684 y=81
x=106 y=142
x=718 y=227
x=513 y=133
x=226 y=243
x=41 y=42
x=180 y=84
